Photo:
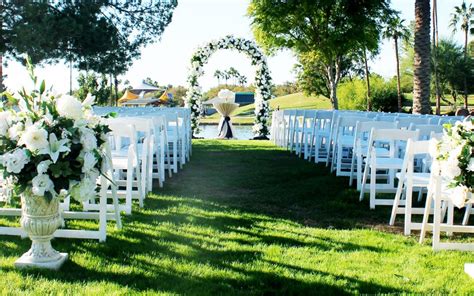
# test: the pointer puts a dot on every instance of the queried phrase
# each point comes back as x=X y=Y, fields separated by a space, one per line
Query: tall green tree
x=104 y=35
x=452 y=66
x=328 y=30
x=462 y=18
x=396 y=30
x=421 y=66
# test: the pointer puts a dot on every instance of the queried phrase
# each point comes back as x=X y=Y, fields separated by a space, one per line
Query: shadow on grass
x=212 y=227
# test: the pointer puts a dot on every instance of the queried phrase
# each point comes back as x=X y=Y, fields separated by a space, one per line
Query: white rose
x=458 y=196
x=85 y=190
x=34 y=138
x=89 y=162
x=450 y=169
x=15 y=130
x=5 y=120
x=88 y=139
x=69 y=107
x=14 y=162
x=42 y=183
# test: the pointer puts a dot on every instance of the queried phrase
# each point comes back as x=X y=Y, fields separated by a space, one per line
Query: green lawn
x=245 y=114
x=246 y=218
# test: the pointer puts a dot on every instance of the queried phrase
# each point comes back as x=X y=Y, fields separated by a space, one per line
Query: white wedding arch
x=262 y=80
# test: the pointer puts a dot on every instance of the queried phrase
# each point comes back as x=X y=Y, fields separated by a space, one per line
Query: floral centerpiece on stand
x=51 y=147
x=225 y=106
x=454 y=160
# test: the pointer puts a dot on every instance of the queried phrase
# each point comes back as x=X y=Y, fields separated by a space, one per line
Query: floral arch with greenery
x=262 y=80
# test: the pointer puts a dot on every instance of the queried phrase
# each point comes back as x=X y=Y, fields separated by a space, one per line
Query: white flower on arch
x=262 y=80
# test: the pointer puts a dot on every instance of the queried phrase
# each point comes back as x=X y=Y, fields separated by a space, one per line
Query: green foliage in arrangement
x=353 y=94
x=245 y=218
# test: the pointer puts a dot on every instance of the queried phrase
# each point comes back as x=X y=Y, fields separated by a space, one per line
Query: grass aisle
x=244 y=217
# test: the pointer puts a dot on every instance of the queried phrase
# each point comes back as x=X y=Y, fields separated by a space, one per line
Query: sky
x=196 y=22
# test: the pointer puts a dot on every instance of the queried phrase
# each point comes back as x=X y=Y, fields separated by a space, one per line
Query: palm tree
x=242 y=80
x=226 y=76
x=421 y=66
x=218 y=75
x=462 y=16
x=435 y=58
x=396 y=30
x=233 y=73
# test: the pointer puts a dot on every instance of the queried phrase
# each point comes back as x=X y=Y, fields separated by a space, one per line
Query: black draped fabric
x=225 y=131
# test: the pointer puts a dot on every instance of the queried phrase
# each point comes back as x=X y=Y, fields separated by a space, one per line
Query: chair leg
x=351 y=177
x=465 y=220
x=426 y=214
x=396 y=203
x=364 y=180
x=373 y=178
x=408 y=203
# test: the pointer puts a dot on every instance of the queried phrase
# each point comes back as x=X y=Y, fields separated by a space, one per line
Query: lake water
x=241 y=132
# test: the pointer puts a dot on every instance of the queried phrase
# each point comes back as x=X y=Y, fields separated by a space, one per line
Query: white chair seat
x=388 y=163
x=379 y=151
x=120 y=162
x=346 y=140
x=418 y=179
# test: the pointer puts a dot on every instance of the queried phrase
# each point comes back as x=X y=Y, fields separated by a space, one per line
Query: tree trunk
x=70 y=76
x=116 y=90
x=112 y=99
x=466 y=104
x=421 y=81
x=435 y=57
x=399 y=88
x=367 y=80
x=1 y=73
x=332 y=80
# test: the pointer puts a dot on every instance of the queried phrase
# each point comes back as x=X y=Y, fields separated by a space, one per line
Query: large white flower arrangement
x=262 y=80
x=454 y=160
x=51 y=146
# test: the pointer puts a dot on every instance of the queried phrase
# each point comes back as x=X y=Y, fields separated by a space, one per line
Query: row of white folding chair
x=183 y=113
x=178 y=131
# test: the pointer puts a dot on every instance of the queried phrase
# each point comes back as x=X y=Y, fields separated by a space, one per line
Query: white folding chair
x=126 y=163
x=394 y=139
x=439 y=196
x=361 y=138
x=343 y=143
x=408 y=179
x=319 y=145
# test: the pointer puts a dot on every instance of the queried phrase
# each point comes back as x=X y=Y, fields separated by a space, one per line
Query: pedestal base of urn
x=26 y=261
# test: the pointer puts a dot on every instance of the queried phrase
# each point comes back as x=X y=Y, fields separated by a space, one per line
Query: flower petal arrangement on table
x=262 y=80
x=454 y=159
x=51 y=144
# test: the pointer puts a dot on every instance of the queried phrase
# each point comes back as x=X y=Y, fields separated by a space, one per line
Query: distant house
x=244 y=98
x=241 y=98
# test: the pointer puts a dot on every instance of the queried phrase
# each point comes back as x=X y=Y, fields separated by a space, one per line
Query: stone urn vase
x=39 y=219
